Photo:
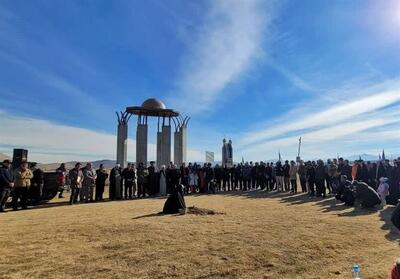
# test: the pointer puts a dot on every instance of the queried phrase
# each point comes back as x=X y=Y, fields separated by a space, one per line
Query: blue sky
x=263 y=73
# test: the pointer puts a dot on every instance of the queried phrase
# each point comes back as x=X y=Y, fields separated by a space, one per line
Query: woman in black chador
x=175 y=202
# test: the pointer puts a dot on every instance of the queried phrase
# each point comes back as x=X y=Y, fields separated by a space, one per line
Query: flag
x=383 y=155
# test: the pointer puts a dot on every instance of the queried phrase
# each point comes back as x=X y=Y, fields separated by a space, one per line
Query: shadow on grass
x=393 y=233
x=150 y=215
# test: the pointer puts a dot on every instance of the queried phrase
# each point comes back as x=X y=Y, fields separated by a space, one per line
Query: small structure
x=152 y=108
x=227 y=153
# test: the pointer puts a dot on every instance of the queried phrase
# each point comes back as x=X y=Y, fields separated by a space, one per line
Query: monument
x=227 y=153
x=152 y=108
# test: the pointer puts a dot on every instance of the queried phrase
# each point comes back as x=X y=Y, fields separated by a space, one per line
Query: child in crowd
x=383 y=189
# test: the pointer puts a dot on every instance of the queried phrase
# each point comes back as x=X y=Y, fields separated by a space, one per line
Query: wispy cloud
x=330 y=128
x=325 y=115
x=227 y=47
x=50 y=142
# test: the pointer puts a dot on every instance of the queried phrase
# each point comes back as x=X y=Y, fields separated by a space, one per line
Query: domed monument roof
x=153 y=104
x=152 y=107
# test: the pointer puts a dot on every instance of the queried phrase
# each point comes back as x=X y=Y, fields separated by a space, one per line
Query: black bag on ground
x=396 y=216
x=367 y=196
x=175 y=202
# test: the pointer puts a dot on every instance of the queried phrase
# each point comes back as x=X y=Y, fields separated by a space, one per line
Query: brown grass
x=259 y=236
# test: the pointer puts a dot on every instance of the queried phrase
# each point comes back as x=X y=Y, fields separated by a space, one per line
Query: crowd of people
x=317 y=178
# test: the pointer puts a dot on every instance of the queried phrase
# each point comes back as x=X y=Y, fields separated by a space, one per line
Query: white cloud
x=49 y=142
x=228 y=46
x=326 y=116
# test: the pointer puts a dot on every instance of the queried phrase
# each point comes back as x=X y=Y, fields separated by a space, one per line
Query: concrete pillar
x=122 y=144
x=166 y=145
x=183 y=142
x=178 y=160
x=141 y=144
x=159 y=150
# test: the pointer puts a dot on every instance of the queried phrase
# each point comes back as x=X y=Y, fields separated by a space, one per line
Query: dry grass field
x=259 y=236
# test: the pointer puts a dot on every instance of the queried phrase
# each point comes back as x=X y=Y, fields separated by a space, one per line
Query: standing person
x=202 y=178
x=89 y=182
x=123 y=174
x=372 y=176
x=246 y=172
x=76 y=179
x=23 y=176
x=279 y=176
x=218 y=176
x=320 y=179
x=310 y=174
x=61 y=179
x=232 y=176
x=152 y=180
x=238 y=177
x=115 y=182
x=142 y=180
x=209 y=172
x=286 y=175
x=293 y=176
x=362 y=172
x=273 y=177
x=261 y=175
x=225 y=179
x=253 y=175
x=302 y=171
x=37 y=182
x=129 y=177
x=102 y=176
x=346 y=170
x=193 y=178
x=6 y=183
x=163 y=181
x=184 y=173
x=394 y=184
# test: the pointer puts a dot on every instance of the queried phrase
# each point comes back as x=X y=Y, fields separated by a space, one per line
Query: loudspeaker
x=19 y=155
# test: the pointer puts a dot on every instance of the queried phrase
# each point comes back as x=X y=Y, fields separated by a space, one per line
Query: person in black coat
x=37 y=182
x=394 y=184
x=6 y=183
x=101 y=178
x=362 y=172
x=310 y=175
x=115 y=181
x=152 y=179
x=226 y=179
x=175 y=202
x=345 y=169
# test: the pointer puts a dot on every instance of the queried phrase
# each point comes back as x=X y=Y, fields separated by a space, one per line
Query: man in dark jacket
x=129 y=176
x=102 y=176
x=320 y=179
x=37 y=182
x=310 y=175
x=286 y=175
x=152 y=179
x=6 y=183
